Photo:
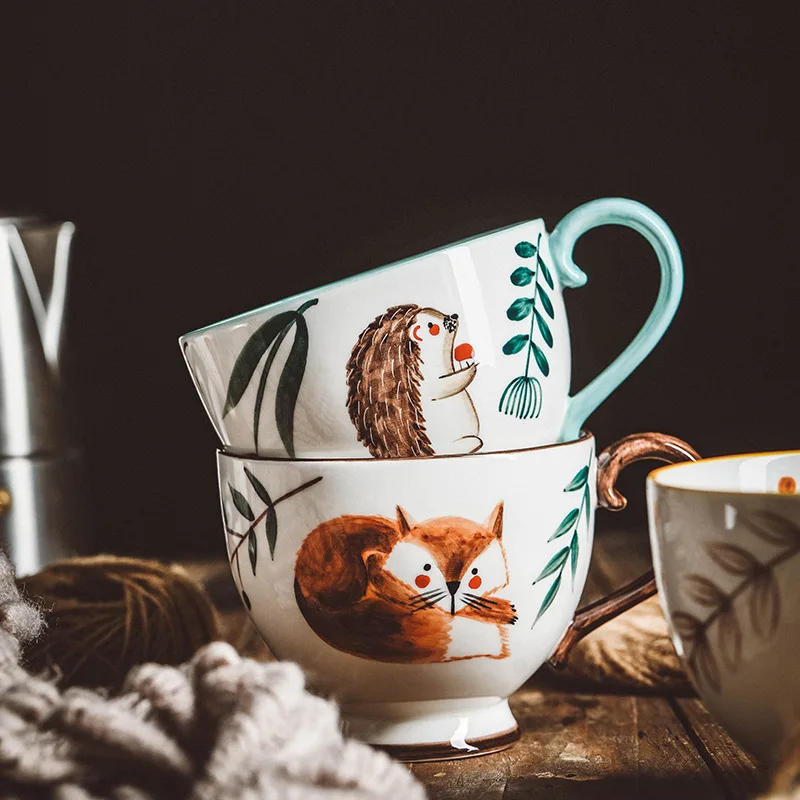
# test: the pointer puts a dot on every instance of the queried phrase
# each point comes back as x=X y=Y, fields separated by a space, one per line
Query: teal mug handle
x=617 y=211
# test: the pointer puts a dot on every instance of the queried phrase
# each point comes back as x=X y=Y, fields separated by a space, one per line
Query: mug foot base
x=434 y=730
x=444 y=751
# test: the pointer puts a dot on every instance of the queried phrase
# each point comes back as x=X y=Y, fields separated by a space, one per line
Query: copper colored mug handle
x=636 y=447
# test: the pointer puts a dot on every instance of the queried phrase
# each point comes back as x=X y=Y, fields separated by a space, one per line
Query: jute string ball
x=106 y=613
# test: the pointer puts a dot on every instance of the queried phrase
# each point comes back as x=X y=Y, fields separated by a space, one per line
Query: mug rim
x=585 y=436
x=657 y=473
x=308 y=293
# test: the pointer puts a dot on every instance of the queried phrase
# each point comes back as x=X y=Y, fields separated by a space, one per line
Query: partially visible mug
x=423 y=592
x=725 y=536
x=460 y=350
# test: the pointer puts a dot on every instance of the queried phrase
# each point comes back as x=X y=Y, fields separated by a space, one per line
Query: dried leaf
x=772 y=528
x=765 y=604
x=730 y=639
x=705 y=592
x=705 y=664
x=733 y=559
x=686 y=626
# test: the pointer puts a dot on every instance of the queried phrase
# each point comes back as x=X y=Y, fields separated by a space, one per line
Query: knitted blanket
x=219 y=726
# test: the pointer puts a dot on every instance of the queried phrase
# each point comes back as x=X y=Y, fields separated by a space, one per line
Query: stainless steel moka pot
x=41 y=475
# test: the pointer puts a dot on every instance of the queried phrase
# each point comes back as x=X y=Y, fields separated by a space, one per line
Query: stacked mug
x=407 y=493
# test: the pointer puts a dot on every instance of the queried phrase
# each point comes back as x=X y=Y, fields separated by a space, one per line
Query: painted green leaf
x=520 y=309
x=250 y=356
x=289 y=385
x=242 y=506
x=259 y=487
x=545 y=300
x=521 y=276
x=573 y=552
x=262 y=383
x=541 y=359
x=549 y=597
x=554 y=564
x=515 y=344
x=544 y=329
x=252 y=549
x=525 y=250
x=566 y=524
x=271 y=524
x=587 y=500
x=246 y=600
x=546 y=272
x=579 y=481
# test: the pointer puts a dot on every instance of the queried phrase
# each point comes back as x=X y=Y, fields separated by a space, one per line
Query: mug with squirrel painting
x=424 y=592
x=464 y=349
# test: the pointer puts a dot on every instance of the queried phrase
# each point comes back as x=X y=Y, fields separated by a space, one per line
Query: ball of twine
x=106 y=613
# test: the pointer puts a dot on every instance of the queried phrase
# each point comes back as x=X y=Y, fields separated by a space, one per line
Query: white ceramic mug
x=423 y=592
x=462 y=349
x=725 y=536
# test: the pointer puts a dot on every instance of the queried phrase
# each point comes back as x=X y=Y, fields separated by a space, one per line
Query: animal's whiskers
x=423 y=596
x=484 y=601
x=472 y=604
x=429 y=602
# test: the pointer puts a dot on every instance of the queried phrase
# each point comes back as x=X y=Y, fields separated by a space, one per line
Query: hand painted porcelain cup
x=725 y=536
x=462 y=349
x=423 y=592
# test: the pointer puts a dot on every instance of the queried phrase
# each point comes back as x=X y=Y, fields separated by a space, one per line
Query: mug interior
x=757 y=473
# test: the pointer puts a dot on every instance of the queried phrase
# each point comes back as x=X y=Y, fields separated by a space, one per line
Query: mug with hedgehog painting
x=423 y=592
x=462 y=349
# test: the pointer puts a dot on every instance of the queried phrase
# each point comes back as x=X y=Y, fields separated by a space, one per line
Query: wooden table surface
x=580 y=743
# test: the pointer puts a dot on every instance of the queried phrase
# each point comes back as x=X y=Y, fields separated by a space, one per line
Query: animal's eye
x=422 y=581
x=428 y=566
x=474 y=570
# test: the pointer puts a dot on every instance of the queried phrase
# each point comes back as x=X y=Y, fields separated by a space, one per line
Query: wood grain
x=582 y=746
x=740 y=774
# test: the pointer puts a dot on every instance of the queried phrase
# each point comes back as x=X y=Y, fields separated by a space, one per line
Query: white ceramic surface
x=725 y=536
x=462 y=349
x=420 y=592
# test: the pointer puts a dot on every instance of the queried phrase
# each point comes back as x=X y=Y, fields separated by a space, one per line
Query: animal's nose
x=464 y=351
x=452 y=586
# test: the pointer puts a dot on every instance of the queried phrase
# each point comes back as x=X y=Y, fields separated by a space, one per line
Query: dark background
x=218 y=156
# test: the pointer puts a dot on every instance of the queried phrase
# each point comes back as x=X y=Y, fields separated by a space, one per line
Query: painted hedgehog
x=406 y=397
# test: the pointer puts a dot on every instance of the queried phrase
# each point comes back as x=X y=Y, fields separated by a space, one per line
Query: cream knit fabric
x=220 y=726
